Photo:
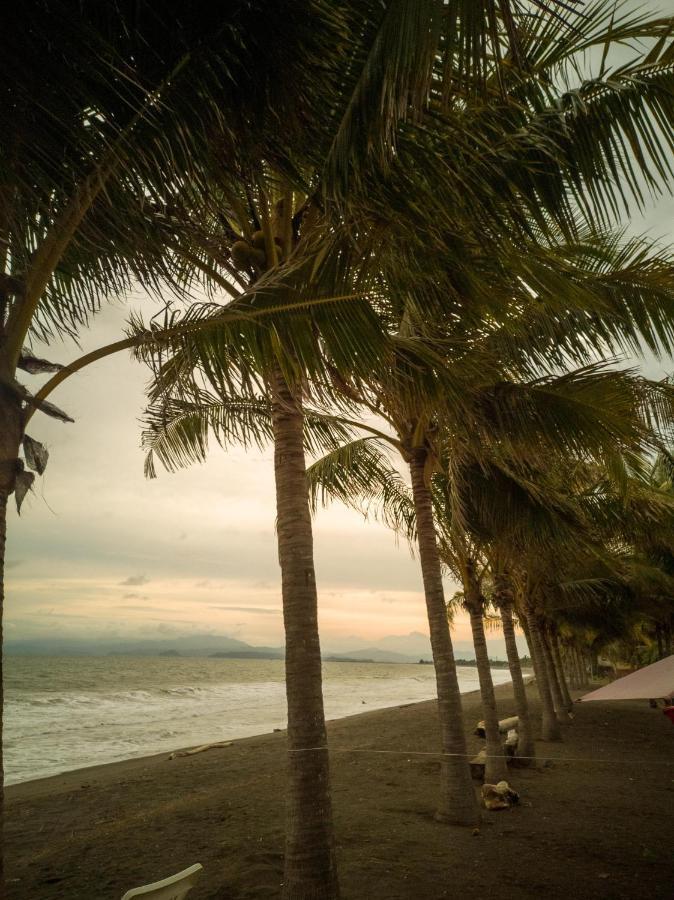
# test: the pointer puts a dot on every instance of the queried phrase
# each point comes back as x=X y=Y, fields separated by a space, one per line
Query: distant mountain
x=193 y=645
x=372 y=654
x=398 y=648
x=413 y=644
x=258 y=653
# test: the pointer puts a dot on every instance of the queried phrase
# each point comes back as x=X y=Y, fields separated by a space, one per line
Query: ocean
x=64 y=713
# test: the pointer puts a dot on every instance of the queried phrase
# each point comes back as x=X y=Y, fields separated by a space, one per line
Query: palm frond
x=360 y=475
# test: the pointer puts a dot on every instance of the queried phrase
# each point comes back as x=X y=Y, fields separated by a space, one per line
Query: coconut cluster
x=252 y=255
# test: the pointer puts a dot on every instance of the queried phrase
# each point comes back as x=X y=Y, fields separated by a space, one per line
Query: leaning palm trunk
x=457 y=797
x=580 y=668
x=525 y=744
x=310 y=868
x=496 y=768
x=660 y=642
x=580 y=665
x=555 y=689
x=550 y=730
x=569 y=661
x=559 y=668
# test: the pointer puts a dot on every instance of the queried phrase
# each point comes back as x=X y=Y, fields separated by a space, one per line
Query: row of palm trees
x=408 y=209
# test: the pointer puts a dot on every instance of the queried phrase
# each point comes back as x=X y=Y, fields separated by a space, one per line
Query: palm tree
x=614 y=600
x=285 y=368
x=82 y=246
x=373 y=90
x=504 y=601
x=461 y=554
x=134 y=106
x=477 y=497
x=617 y=329
x=88 y=138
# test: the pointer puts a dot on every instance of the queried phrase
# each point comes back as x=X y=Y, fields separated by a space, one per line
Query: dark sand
x=601 y=828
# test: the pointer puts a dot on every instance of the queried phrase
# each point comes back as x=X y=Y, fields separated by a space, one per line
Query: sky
x=100 y=551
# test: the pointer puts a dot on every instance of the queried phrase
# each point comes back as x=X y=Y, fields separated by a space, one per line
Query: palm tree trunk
x=310 y=867
x=4 y=496
x=457 y=797
x=525 y=744
x=660 y=641
x=570 y=667
x=10 y=438
x=582 y=670
x=550 y=730
x=574 y=683
x=561 y=674
x=555 y=689
x=496 y=768
x=576 y=667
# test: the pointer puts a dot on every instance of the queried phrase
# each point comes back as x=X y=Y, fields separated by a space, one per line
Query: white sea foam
x=64 y=714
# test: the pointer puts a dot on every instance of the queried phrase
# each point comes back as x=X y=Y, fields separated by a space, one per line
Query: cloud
x=135 y=580
x=134 y=608
x=13 y=563
x=250 y=609
x=135 y=596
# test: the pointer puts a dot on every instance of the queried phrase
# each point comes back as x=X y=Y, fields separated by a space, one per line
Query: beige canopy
x=650 y=683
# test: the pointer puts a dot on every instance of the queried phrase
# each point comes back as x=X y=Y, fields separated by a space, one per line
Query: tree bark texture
x=561 y=672
x=496 y=768
x=660 y=640
x=581 y=662
x=4 y=497
x=570 y=668
x=582 y=672
x=457 y=803
x=10 y=438
x=310 y=866
x=550 y=730
x=556 y=691
x=525 y=744
x=669 y=635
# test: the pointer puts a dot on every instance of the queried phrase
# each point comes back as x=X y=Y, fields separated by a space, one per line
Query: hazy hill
x=373 y=654
x=405 y=648
x=194 y=645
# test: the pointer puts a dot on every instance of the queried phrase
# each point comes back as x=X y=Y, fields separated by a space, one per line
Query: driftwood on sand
x=509 y=727
x=201 y=749
x=504 y=726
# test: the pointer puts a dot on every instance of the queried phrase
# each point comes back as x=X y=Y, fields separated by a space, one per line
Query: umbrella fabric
x=651 y=682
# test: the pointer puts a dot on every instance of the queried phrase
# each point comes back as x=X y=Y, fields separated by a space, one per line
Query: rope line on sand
x=438 y=755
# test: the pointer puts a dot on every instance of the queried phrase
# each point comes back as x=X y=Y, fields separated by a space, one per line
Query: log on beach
x=504 y=726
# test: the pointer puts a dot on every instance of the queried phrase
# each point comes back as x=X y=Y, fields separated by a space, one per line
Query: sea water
x=64 y=713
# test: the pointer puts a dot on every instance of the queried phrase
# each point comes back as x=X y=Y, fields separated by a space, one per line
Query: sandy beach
x=595 y=821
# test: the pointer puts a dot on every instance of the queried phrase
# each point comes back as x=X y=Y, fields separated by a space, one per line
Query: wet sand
x=596 y=821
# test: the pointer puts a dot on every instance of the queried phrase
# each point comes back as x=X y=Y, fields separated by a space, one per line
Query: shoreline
x=591 y=819
x=145 y=758
x=62 y=780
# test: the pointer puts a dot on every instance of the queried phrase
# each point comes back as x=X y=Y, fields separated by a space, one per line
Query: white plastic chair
x=174 y=888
